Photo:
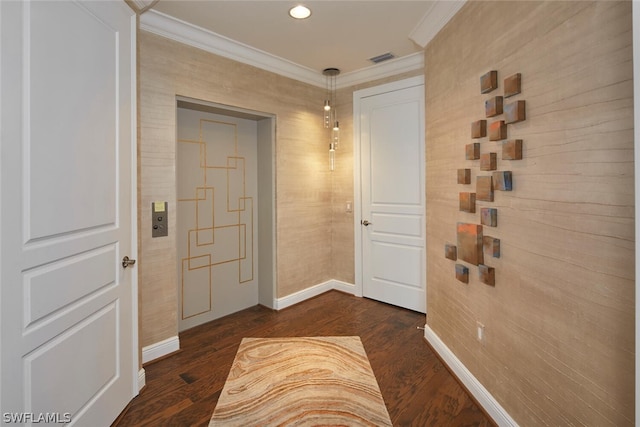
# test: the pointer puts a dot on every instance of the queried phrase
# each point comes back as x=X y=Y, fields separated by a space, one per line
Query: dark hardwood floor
x=182 y=389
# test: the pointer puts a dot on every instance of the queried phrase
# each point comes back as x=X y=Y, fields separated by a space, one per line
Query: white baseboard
x=159 y=349
x=481 y=394
x=305 y=294
x=142 y=379
x=168 y=346
x=349 y=288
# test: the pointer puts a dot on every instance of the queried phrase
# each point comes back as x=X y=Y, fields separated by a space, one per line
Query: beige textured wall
x=559 y=324
x=303 y=188
x=342 y=244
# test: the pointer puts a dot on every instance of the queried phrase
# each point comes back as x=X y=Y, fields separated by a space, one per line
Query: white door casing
x=389 y=177
x=68 y=307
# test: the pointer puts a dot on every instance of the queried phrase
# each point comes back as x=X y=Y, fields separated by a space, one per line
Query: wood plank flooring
x=182 y=389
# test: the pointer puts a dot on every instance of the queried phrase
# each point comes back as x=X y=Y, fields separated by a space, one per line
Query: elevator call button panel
x=159 y=215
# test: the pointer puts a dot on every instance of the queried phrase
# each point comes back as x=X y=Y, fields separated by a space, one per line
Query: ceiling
x=340 y=34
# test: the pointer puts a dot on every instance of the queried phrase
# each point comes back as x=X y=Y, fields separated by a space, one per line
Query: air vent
x=381 y=58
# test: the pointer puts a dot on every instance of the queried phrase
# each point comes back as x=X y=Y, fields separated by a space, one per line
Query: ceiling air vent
x=381 y=58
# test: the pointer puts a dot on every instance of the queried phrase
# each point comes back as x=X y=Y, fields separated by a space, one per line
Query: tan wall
x=303 y=188
x=559 y=324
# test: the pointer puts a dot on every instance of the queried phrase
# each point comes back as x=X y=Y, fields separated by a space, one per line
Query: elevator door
x=216 y=215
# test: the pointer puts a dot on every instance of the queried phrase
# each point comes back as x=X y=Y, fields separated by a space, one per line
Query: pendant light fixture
x=330 y=114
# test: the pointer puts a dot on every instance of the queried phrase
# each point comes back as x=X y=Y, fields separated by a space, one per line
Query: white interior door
x=67 y=305
x=392 y=230
x=217 y=215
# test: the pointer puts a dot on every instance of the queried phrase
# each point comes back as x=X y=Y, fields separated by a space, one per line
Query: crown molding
x=434 y=20
x=183 y=32
x=141 y=6
x=389 y=68
x=167 y=26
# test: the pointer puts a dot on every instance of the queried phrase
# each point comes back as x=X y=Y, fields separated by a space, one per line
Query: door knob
x=126 y=262
x=365 y=223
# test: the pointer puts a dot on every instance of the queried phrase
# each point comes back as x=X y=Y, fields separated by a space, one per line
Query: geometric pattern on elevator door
x=213 y=201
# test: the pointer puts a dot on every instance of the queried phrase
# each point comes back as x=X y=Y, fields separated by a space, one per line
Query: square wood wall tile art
x=497 y=131
x=493 y=106
x=487 y=274
x=472 y=151
x=512 y=85
x=484 y=188
x=502 y=181
x=488 y=162
x=479 y=129
x=464 y=176
x=469 y=243
x=468 y=202
x=489 y=217
x=462 y=273
x=450 y=251
x=471 y=246
x=489 y=81
x=491 y=246
x=514 y=112
x=512 y=149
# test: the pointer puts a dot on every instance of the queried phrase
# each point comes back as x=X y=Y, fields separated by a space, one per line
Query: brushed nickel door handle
x=126 y=262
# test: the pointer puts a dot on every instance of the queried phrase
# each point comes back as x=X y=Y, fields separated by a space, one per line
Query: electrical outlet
x=480 y=331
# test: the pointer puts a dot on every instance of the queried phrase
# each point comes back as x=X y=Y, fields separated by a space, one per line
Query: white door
x=390 y=126
x=67 y=305
x=217 y=215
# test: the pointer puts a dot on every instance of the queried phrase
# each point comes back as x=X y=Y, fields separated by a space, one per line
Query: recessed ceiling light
x=300 y=12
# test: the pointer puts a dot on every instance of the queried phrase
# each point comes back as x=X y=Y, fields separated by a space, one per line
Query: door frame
x=358 y=96
x=139 y=376
x=266 y=155
x=635 y=7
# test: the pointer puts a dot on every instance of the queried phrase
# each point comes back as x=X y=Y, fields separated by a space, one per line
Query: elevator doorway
x=225 y=211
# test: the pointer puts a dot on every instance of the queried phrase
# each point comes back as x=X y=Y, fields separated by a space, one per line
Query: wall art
x=489 y=81
x=487 y=274
x=464 y=176
x=512 y=149
x=489 y=217
x=469 y=243
x=472 y=151
x=479 y=129
x=493 y=106
x=488 y=162
x=491 y=246
x=468 y=202
x=484 y=188
x=462 y=273
x=514 y=112
x=502 y=181
x=450 y=252
x=497 y=131
x=512 y=85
